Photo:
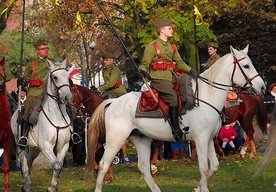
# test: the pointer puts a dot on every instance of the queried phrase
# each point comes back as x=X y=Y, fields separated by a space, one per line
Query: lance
x=135 y=65
x=20 y=72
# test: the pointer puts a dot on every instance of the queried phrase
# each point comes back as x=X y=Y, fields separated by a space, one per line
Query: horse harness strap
x=248 y=80
x=163 y=64
x=220 y=114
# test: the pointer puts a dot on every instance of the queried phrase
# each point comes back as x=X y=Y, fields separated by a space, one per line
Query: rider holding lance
x=159 y=60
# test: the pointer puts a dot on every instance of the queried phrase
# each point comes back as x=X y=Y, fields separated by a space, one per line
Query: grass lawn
x=235 y=175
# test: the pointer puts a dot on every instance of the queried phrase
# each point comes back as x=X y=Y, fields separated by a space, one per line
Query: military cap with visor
x=108 y=55
x=40 y=42
x=162 y=23
x=214 y=45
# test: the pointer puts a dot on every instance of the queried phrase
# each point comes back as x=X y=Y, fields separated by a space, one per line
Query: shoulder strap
x=34 y=68
x=173 y=47
x=110 y=71
x=157 y=50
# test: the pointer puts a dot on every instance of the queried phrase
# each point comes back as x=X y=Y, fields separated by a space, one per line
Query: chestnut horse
x=6 y=136
x=244 y=113
x=91 y=100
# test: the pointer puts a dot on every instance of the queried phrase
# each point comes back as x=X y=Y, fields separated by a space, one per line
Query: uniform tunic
x=162 y=80
x=42 y=69
x=212 y=60
x=112 y=75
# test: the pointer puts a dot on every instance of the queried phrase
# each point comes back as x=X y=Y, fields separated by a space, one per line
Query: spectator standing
x=177 y=150
x=269 y=101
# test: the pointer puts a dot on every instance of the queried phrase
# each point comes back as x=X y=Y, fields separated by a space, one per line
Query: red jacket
x=227 y=133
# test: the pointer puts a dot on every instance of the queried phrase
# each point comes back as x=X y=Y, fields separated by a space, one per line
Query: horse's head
x=2 y=74
x=244 y=73
x=58 y=81
x=77 y=95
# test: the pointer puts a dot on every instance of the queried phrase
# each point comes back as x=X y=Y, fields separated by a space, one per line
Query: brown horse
x=244 y=113
x=91 y=100
x=6 y=135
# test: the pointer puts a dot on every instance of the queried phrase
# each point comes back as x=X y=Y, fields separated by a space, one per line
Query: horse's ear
x=71 y=82
x=50 y=63
x=2 y=62
x=233 y=51
x=246 y=49
x=64 y=63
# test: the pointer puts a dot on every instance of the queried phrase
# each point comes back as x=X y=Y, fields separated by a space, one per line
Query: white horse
x=119 y=122
x=51 y=134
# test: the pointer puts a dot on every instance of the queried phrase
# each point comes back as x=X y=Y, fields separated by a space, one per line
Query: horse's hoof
x=23 y=188
x=109 y=180
x=242 y=156
x=222 y=158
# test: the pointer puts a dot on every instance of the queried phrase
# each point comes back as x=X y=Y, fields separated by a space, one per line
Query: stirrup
x=76 y=138
x=176 y=135
x=22 y=142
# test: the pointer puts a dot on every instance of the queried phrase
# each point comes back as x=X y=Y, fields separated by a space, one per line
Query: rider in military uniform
x=112 y=77
x=159 y=60
x=212 y=51
x=34 y=75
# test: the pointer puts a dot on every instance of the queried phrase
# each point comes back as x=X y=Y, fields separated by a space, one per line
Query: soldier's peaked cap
x=162 y=23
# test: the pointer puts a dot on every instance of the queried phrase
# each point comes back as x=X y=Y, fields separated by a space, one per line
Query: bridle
x=236 y=63
x=57 y=99
x=248 y=80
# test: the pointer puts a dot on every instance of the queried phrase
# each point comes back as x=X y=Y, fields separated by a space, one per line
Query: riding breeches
x=166 y=91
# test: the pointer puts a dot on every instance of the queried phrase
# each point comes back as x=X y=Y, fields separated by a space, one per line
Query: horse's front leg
x=244 y=148
x=26 y=159
x=202 y=156
x=252 y=146
x=214 y=163
x=142 y=145
x=56 y=165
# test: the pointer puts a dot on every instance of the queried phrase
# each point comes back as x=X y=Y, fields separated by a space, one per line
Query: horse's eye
x=55 y=77
x=246 y=66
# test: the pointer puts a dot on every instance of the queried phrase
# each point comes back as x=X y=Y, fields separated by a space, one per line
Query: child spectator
x=227 y=134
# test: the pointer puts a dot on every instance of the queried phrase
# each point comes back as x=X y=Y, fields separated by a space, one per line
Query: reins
x=216 y=85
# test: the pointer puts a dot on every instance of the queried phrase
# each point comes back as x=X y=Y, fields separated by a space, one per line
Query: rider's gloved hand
x=141 y=74
x=20 y=81
x=194 y=72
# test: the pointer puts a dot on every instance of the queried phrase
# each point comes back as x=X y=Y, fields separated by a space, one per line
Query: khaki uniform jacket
x=212 y=60
x=42 y=69
x=167 y=54
x=112 y=75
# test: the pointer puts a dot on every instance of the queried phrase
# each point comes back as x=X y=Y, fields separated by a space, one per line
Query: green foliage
x=11 y=49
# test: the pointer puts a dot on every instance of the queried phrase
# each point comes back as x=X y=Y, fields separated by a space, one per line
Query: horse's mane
x=216 y=68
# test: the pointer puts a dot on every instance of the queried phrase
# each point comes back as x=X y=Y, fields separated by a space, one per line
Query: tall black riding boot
x=23 y=140
x=177 y=132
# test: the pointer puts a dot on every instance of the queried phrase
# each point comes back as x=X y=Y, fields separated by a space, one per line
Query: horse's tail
x=95 y=132
x=271 y=144
x=261 y=116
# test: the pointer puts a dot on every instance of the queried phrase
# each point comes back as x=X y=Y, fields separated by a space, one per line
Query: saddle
x=232 y=99
x=147 y=106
